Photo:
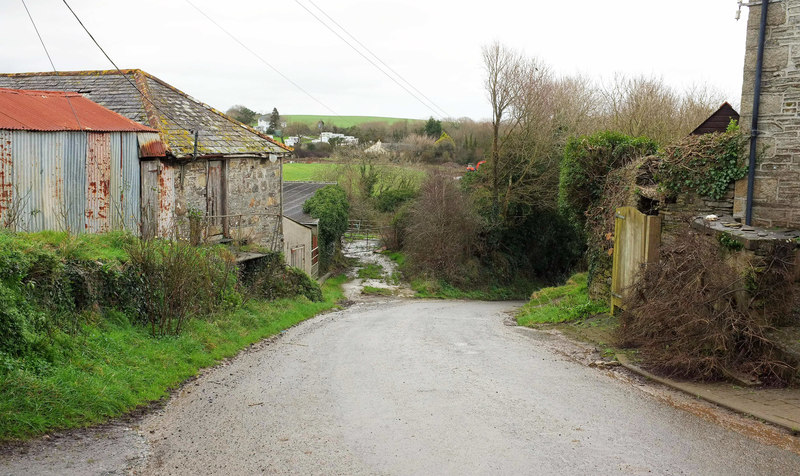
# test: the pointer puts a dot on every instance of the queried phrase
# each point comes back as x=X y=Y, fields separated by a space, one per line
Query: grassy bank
x=569 y=302
x=94 y=326
x=113 y=366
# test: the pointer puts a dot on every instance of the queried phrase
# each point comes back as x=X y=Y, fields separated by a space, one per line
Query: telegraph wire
x=52 y=64
x=261 y=59
x=121 y=73
x=436 y=113
x=379 y=59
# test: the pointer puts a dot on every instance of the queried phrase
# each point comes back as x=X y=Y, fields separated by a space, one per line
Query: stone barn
x=204 y=175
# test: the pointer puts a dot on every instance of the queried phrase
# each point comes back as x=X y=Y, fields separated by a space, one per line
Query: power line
x=367 y=58
x=379 y=59
x=52 y=64
x=261 y=59
x=144 y=96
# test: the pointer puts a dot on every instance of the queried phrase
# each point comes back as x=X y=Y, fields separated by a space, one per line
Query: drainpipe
x=756 y=103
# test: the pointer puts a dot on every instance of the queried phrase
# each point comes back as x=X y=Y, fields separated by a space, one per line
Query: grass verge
x=112 y=366
x=371 y=290
x=569 y=302
x=440 y=289
x=371 y=271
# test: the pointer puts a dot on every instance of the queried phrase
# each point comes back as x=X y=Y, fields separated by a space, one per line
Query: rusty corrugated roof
x=57 y=111
x=169 y=110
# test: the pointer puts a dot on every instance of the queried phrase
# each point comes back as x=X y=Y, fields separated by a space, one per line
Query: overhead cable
x=270 y=65
x=435 y=112
x=379 y=59
x=52 y=64
x=144 y=96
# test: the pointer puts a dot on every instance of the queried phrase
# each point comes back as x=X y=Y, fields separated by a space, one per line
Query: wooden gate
x=636 y=240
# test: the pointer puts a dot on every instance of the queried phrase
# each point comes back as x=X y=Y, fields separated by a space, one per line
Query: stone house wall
x=776 y=194
x=252 y=199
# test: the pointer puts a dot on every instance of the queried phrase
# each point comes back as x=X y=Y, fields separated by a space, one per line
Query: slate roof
x=718 y=121
x=295 y=195
x=173 y=113
x=59 y=111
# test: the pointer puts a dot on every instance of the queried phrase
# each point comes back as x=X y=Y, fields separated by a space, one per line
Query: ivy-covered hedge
x=587 y=162
x=705 y=164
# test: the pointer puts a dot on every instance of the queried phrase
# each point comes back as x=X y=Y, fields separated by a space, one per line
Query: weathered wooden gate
x=636 y=241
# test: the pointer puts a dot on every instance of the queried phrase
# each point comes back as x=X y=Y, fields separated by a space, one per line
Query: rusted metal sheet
x=6 y=180
x=67 y=181
x=166 y=206
x=59 y=111
x=150 y=145
x=125 y=182
x=98 y=183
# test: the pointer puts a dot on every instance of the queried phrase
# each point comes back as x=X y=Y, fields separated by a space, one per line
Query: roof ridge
x=214 y=110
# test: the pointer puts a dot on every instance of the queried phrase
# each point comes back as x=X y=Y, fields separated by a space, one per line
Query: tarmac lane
x=412 y=387
x=434 y=387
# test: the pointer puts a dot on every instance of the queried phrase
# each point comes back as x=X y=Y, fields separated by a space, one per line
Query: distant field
x=343 y=121
x=305 y=172
x=299 y=172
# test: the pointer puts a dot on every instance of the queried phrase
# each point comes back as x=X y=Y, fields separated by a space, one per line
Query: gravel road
x=411 y=387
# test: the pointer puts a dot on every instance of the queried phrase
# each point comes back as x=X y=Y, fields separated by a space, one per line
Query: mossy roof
x=173 y=113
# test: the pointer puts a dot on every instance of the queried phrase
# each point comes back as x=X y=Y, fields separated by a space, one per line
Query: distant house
x=718 y=121
x=228 y=181
x=67 y=164
x=299 y=228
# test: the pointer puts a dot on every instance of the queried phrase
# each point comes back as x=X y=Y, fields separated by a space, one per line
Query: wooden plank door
x=215 y=197
x=149 y=198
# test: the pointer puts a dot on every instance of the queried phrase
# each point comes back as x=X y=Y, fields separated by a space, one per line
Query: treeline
x=520 y=218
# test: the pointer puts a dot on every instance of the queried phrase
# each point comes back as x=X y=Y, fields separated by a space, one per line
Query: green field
x=306 y=172
x=342 y=121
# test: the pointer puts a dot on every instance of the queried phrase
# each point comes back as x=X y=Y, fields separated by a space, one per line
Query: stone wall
x=253 y=200
x=776 y=194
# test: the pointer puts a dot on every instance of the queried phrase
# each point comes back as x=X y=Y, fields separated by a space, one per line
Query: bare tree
x=504 y=69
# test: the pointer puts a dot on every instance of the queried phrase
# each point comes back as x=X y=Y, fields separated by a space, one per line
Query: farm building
x=67 y=163
x=203 y=175
x=718 y=121
x=299 y=228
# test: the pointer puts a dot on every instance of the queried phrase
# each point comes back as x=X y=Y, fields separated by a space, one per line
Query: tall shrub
x=329 y=204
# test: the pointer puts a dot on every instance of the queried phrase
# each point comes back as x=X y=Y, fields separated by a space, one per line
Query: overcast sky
x=434 y=44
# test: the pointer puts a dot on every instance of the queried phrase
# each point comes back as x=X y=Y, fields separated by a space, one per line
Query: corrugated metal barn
x=67 y=163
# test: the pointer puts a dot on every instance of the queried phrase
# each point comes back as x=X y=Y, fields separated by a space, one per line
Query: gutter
x=751 y=170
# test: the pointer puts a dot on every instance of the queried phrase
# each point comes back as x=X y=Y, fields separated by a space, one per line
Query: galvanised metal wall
x=53 y=191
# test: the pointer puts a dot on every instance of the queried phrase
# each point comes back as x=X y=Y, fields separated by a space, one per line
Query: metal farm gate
x=636 y=241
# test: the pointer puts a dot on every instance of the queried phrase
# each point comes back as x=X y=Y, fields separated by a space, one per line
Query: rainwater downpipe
x=762 y=28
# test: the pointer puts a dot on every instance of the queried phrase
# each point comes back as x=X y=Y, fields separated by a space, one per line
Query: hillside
x=342 y=121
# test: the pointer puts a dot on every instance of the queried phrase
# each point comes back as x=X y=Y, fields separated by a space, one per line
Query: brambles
x=693 y=315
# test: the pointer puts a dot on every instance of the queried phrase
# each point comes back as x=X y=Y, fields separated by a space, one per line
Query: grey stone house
x=776 y=190
x=224 y=185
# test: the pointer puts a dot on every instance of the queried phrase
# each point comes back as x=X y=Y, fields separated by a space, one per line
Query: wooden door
x=150 y=198
x=215 y=198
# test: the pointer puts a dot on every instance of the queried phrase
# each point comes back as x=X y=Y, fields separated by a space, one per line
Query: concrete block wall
x=776 y=193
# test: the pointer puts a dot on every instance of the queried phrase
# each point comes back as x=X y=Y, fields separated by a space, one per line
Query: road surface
x=412 y=387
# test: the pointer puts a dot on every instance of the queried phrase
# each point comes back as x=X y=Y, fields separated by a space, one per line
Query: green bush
x=269 y=278
x=329 y=204
x=390 y=200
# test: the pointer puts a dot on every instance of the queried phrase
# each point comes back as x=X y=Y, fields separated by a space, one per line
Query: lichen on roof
x=176 y=113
